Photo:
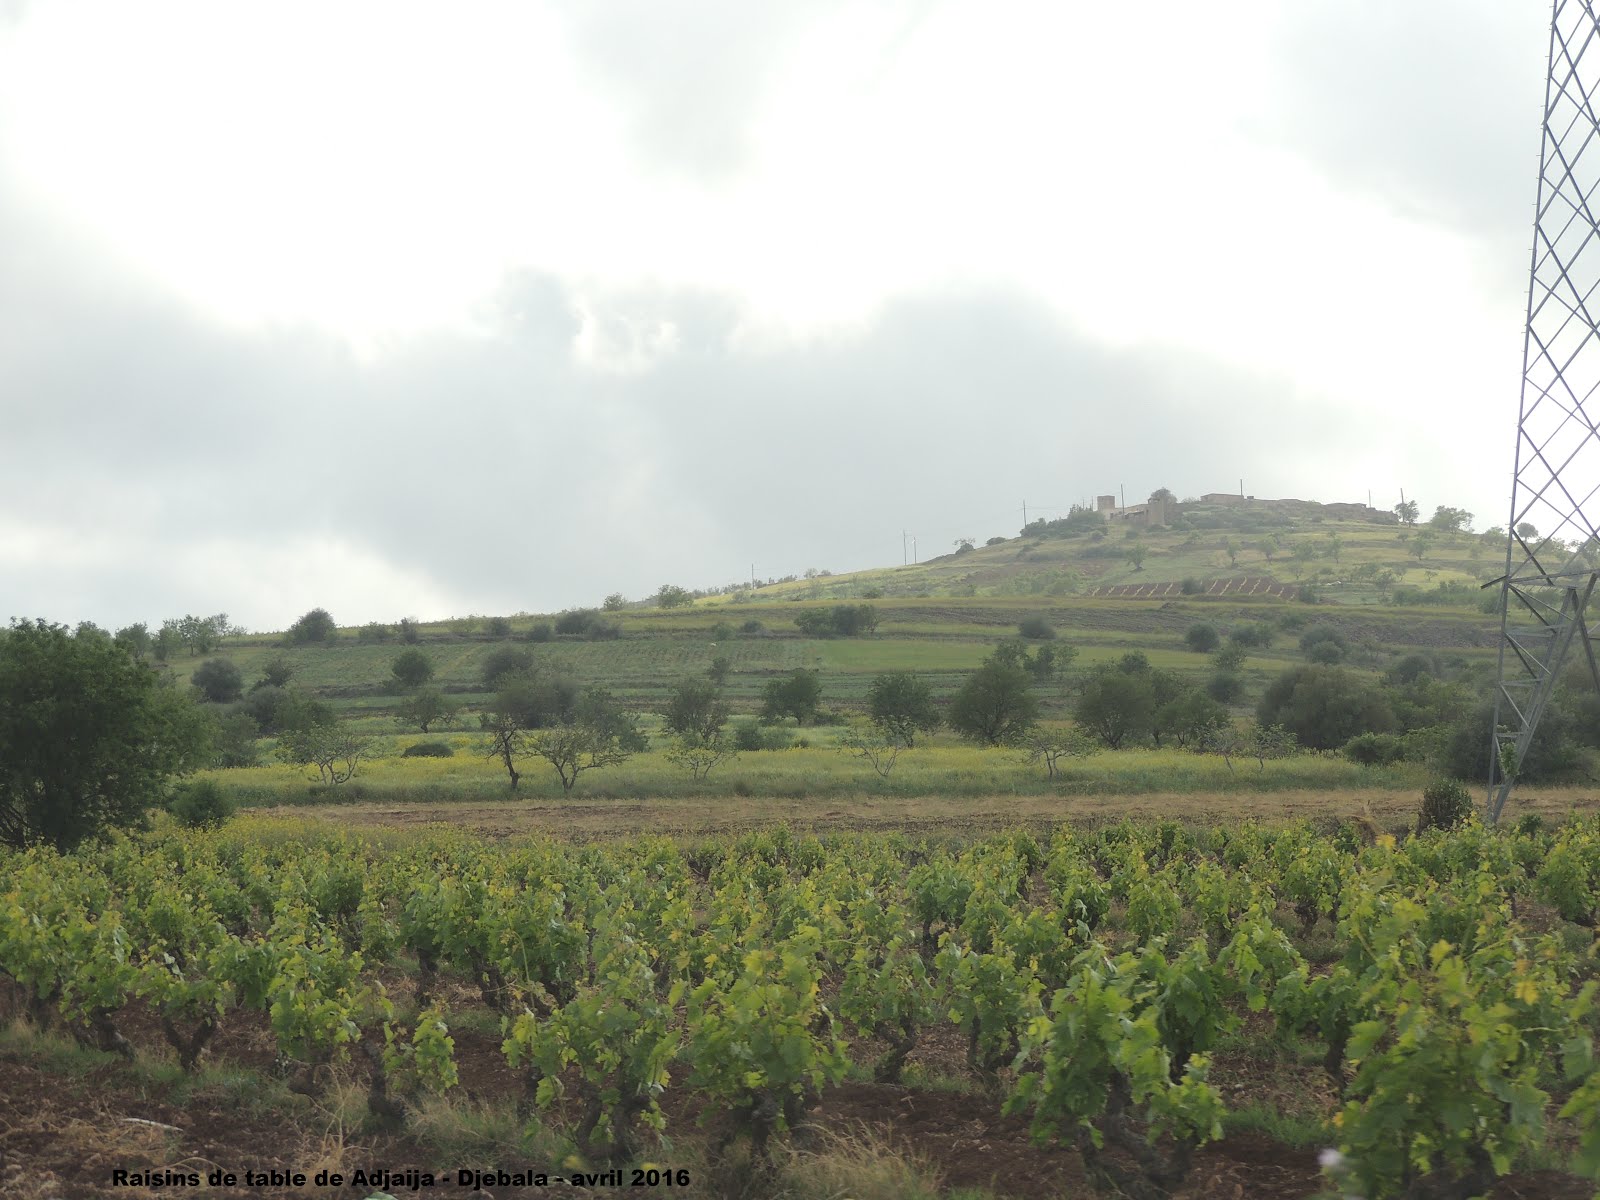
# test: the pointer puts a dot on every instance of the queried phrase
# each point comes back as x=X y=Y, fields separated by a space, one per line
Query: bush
x=411 y=668
x=1225 y=687
x=1375 y=749
x=1324 y=707
x=542 y=632
x=747 y=736
x=429 y=750
x=1036 y=628
x=1256 y=635
x=200 y=805
x=752 y=626
x=498 y=627
x=1202 y=638
x=219 y=680
x=577 y=621
x=410 y=632
x=721 y=632
x=374 y=631
x=1329 y=654
x=1446 y=803
x=1191 y=586
x=233 y=741
x=314 y=626
x=504 y=664
x=845 y=620
x=1322 y=644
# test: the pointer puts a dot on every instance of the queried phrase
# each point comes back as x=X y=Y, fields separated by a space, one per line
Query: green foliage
x=374 y=631
x=503 y=665
x=219 y=680
x=428 y=750
x=1375 y=749
x=671 y=596
x=796 y=696
x=313 y=628
x=615 y=602
x=233 y=740
x=842 y=620
x=540 y=631
x=995 y=705
x=902 y=706
x=412 y=668
x=426 y=707
x=1035 y=628
x=1324 y=707
x=410 y=632
x=1446 y=803
x=1225 y=687
x=1115 y=705
x=200 y=804
x=334 y=750
x=695 y=711
x=1202 y=638
x=88 y=736
x=497 y=627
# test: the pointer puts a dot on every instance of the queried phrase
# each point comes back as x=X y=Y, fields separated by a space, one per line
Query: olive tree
x=89 y=738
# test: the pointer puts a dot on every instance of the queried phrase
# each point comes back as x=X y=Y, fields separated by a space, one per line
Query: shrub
x=200 y=805
x=1256 y=635
x=503 y=664
x=1324 y=707
x=233 y=741
x=411 y=668
x=1036 y=628
x=410 y=632
x=314 y=626
x=752 y=626
x=1202 y=638
x=1323 y=644
x=219 y=680
x=429 y=750
x=1329 y=653
x=542 y=632
x=1191 y=586
x=721 y=632
x=995 y=541
x=577 y=621
x=498 y=627
x=1230 y=657
x=1225 y=687
x=747 y=736
x=603 y=631
x=1446 y=803
x=374 y=631
x=1375 y=749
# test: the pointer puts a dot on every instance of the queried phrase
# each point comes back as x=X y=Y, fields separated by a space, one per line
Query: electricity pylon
x=1551 y=539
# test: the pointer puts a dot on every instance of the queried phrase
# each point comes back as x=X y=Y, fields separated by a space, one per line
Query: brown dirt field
x=700 y=817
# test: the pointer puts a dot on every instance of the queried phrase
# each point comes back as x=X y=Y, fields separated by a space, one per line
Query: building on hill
x=1225 y=498
x=1151 y=514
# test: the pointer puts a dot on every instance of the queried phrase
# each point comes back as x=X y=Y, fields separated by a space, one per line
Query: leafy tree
x=615 y=602
x=902 y=706
x=1162 y=493
x=1335 y=544
x=1421 y=543
x=795 y=696
x=1324 y=644
x=696 y=712
x=1231 y=549
x=1049 y=744
x=498 y=627
x=88 y=737
x=1225 y=687
x=219 y=680
x=540 y=631
x=717 y=670
x=525 y=703
x=412 y=668
x=1256 y=635
x=1269 y=546
x=135 y=639
x=166 y=641
x=503 y=664
x=1554 y=756
x=275 y=672
x=275 y=709
x=1406 y=510
x=335 y=750
x=410 y=631
x=315 y=626
x=233 y=740
x=1035 y=628
x=1527 y=531
x=1450 y=520
x=698 y=758
x=873 y=746
x=672 y=596
x=1324 y=707
x=600 y=734
x=1115 y=705
x=845 y=620
x=995 y=705
x=1136 y=554
x=1230 y=658
x=1049 y=661
x=1192 y=718
x=1202 y=638
x=424 y=707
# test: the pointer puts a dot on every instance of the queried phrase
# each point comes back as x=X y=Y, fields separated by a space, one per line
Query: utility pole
x=904 y=558
x=1024 y=514
x=1123 y=492
x=752 y=577
x=913 y=548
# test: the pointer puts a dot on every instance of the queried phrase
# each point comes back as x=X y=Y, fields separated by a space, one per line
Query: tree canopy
x=89 y=738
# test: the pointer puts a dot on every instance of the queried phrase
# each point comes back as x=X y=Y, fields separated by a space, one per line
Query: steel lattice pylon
x=1551 y=539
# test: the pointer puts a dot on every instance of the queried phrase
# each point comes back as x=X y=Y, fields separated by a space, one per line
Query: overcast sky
x=405 y=309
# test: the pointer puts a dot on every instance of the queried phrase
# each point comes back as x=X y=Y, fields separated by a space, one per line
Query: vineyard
x=1431 y=1000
